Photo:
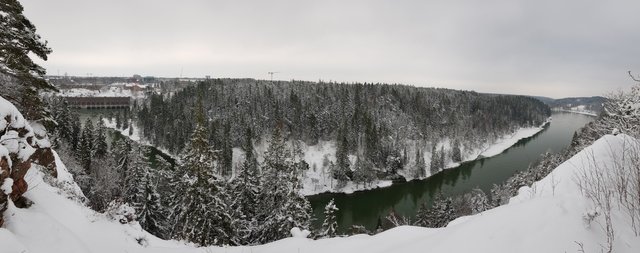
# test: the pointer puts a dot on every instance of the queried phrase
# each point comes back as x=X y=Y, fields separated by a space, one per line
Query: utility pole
x=271 y=74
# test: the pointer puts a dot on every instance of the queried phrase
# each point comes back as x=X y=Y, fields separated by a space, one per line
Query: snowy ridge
x=578 y=111
x=547 y=217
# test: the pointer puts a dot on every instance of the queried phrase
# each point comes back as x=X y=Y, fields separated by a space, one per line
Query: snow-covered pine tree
x=442 y=156
x=246 y=189
x=141 y=192
x=329 y=225
x=342 y=170
x=100 y=140
x=135 y=176
x=85 y=147
x=364 y=173
x=282 y=205
x=120 y=149
x=434 y=167
x=62 y=131
x=479 y=201
x=438 y=215
x=152 y=214
x=118 y=120
x=456 y=155
x=420 y=166
x=19 y=40
x=201 y=214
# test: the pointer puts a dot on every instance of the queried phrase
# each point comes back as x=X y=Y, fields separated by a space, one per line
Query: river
x=368 y=207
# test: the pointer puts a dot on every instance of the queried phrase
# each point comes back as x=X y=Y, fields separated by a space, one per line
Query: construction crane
x=271 y=74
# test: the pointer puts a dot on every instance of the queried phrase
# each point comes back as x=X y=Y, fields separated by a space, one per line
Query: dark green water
x=367 y=207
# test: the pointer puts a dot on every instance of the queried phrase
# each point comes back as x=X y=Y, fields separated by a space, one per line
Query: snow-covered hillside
x=318 y=178
x=551 y=216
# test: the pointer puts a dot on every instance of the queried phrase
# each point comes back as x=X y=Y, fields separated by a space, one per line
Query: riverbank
x=316 y=183
x=135 y=136
x=317 y=179
x=583 y=112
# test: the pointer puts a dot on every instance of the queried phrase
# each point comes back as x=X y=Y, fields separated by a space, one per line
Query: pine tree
x=118 y=120
x=420 y=166
x=18 y=39
x=142 y=193
x=439 y=215
x=329 y=225
x=442 y=158
x=201 y=214
x=342 y=170
x=479 y=201
x=151 y=212
x=100 y=140
x=120 y=150
x=227 y=151
x=435 y=160
x=364 y=172
x=86 y=148
x=456 y=155
x=247 y=182
x=282 y=205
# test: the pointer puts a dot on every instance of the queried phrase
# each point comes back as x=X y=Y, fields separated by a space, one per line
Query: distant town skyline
x=543 y=48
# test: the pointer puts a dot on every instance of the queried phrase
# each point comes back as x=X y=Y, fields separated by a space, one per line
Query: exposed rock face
x=20 y=146
x=4 y=173
x=45 y=158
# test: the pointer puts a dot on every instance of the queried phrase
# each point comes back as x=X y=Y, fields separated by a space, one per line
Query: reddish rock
x=20 y=169
x=4 y=173
x=45 y=158
x=19 y=187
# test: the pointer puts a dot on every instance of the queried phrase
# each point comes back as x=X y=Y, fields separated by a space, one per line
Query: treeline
x=372 y=121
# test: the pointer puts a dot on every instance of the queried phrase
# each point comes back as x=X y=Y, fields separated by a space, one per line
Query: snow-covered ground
x=577 y=109
x=548 y=217
x=114 y=90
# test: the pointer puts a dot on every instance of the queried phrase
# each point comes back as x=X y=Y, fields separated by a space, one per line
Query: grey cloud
x=552 y=48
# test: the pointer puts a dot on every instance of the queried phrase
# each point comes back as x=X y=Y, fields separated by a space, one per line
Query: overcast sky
x=554 y=48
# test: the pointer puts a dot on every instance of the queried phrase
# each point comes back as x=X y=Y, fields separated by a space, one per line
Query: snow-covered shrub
x=589 y=216
x=613 y=189
x=329 y=225
x=438 y=215
x=393 y=219
x=296 y=232
x=120 y=211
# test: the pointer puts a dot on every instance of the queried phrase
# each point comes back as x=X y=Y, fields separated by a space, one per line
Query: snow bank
x=578 y=110
x=509 y=140
x=108 y=92
x=6 y=186
x=11 y=142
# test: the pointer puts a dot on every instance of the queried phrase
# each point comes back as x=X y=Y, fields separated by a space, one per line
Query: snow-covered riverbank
x=318 y=178
x=577 y=110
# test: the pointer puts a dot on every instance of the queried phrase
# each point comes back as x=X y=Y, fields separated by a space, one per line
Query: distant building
x=99 y=102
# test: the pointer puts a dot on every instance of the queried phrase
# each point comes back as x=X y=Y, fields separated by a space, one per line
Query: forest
x=387 y=127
